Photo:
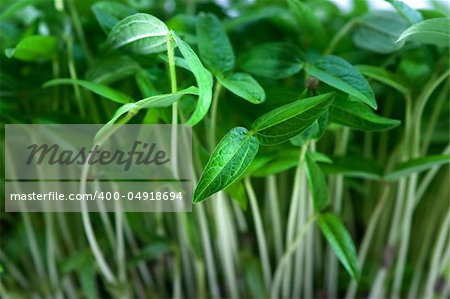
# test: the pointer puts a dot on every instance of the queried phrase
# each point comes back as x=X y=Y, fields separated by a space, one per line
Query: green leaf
x=382 y=75
x=227 y=163
x=244 y=86
x=340 y=74
x=358 y=116
x=162 y=100
x=165 y=100
x=202 y=76
x=352 y=166
x=314 y=131
x=213 y=44
x=317 y=184
x=112 y=69
x=131 y=108
x=272 y=60
x=433 y=31
x=13 y=7
x=313 y=32
x=377 y=32
x=410 y=14
x=34 y=47
x=340 y=241
x=277 y=162
x=417 y=165
x=238 y=194
x=255 y=14
x=102 y=90
x=291 y=119
x=109 y=13
x=140 y=34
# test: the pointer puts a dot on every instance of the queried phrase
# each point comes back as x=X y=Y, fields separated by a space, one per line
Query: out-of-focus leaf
x=289 y=120
x=112 y=69
x=237 y=193
x=109 y=13
x=340 y=74
x=16 y=6
x=416 y=165
x=213 y=44
x=384 y=76
x=410 y=14
x=358 y=116
x=340 y=241
x=317 y=184
x=270 y=12
x=353 y=166
x=433 y=31
x=272 y=60
x=313 y=32
x=378 y=32
x=102 y=90
x=140 y=34
x=244 y=86
x=150 y=252
x=278 y=162
x=227 y=163
x=34 y=47
x=202 y=76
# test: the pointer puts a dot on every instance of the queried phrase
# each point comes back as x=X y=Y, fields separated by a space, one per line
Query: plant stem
x=339 y=35
x=275 y=214
x=79 y=30
x=285 y=259
x=364 y=248
x=437 y=257
x=331 y=275
x=222 y=218
x=215 y=103
x=293 y=210
x=262 y=244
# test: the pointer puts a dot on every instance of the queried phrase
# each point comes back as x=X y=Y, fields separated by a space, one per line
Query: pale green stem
x=331 y=276
x=105 y=218
x=221 y=216
x=377 y=291
x=101 y=262
x=276 y=284
x=293 y=210
x=367 y=240
x=437 y=260
x=309 y=256
x=142 y=267
x=207 y=249
x=31 y=236
x=275 y=214
x=405 y=234
x=302 y=212
x=215 y=104
x=262 y=244
x=120 y=243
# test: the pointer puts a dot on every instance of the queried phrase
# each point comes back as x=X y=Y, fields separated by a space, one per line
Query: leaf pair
x=144 y=34
x=163 y=100
x=238 y=148
x=217 y=53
